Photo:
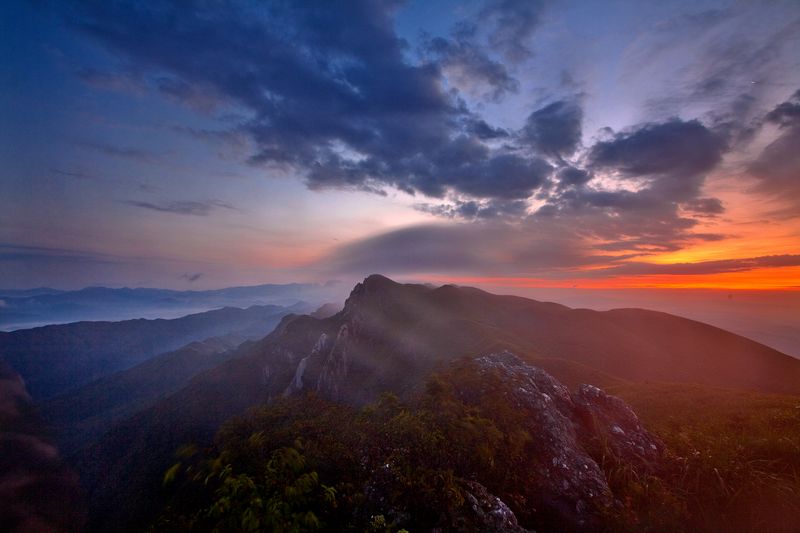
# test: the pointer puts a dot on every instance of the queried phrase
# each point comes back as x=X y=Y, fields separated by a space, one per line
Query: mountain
x=30 y=308
x=38 y=491
x=23 y=293
x=491 y=444
x=390 y=337
x=81 y=416
x=326 y=310
x=56 y=359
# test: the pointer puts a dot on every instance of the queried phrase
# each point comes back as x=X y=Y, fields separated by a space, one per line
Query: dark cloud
x=786 y=114
x=777 y=167
x=329 y=92
x=511 y=24
x=701 y=267
x=484 y=131
x=555 y=129
x=677 y=150
x=705 y=206
x=664 y=165
x=482 y=246
x=10 y=252
x=121 y=151
x=327 y=89
x=477 y=209
x=470 y=68
x=536 y=248
x=569 y=176
x=183 y=207
x=76 y=175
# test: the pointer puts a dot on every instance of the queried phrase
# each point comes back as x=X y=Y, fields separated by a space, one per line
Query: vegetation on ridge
x=304 y=463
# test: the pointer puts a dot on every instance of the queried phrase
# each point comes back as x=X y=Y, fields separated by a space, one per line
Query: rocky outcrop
x=486 y=512
x=610 y=422
x=569 y=485
x=334 y=370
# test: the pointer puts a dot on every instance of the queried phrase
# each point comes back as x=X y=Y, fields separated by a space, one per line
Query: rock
x=570 y=487
x=486 y=512
x=334 y=370
x=610 y=421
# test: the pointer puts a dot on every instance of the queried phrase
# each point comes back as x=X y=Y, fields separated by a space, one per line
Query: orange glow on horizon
x=784 y=278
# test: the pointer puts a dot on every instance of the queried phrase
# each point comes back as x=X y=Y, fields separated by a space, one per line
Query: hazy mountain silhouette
x=56 y=359
x=35 y=307
x=78 y=417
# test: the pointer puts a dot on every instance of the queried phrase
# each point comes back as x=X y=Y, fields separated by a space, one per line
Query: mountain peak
x=378 y=281
x=372 y=284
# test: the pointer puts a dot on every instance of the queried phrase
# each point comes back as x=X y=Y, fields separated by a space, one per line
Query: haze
x=563 y=150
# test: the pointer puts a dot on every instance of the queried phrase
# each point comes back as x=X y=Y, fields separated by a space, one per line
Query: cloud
x=112 y=81
x=468 y=67
x=10 y=252
x=481 y=246
x=704 y=206
x=536 y=248
x=481 y=129
x=123 y=152
x=701 y=267
x=183 y=207
x=674 y=150
x=76 y=175
x=777 y=167
x=476 y=209
x=330 y=93
x=722 y=61
x=569 y=176
x=511 y=24
x=555 y=129
x=342 y=108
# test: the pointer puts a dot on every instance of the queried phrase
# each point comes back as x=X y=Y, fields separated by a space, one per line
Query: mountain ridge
x=390 y=337
x=58 y=358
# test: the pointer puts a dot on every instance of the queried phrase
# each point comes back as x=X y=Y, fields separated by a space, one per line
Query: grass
x=734 y=459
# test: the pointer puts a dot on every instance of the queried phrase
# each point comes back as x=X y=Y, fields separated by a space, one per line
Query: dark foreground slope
x=81 y=416
x=389 y=337
x=38 y=492
x=492 y=444
x=57 y=359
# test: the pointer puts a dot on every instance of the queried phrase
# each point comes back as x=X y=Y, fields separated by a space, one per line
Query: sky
x=515 y=144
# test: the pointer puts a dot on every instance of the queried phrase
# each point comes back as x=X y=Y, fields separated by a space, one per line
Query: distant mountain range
x=390 y=337
x=36 y=307
x=60 y=358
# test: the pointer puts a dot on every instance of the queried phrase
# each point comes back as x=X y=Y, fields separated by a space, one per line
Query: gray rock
x=570 y=484
x=486 y=512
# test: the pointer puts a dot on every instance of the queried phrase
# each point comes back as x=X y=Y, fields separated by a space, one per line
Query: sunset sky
x=523 y=144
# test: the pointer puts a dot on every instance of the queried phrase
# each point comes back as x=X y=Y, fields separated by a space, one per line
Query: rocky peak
x=372 y=286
